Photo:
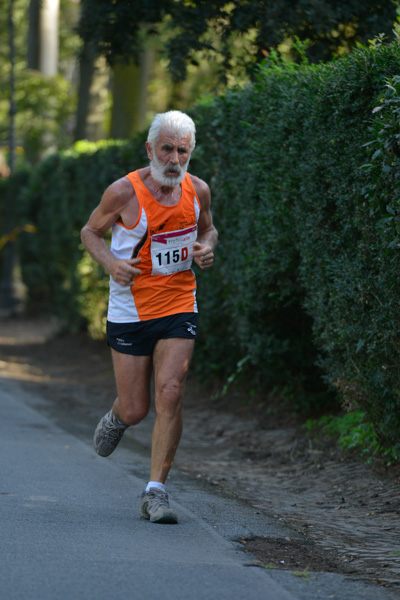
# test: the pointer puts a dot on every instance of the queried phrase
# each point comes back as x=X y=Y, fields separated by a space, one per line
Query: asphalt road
x=71 y=526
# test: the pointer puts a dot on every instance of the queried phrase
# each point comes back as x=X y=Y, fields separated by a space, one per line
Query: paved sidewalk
x=71 y=528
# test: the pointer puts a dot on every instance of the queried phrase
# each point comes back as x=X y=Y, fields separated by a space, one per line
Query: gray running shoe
x=155 y=507
x=107 y=435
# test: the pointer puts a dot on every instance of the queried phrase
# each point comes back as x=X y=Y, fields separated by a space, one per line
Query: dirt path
x=345 y=515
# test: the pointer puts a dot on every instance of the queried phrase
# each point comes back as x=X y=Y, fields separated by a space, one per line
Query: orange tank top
x=163 y=238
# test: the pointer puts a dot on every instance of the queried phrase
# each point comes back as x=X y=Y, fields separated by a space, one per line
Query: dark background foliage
x=112 y=26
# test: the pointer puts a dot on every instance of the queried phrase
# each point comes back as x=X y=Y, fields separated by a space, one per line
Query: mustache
x=172 y=168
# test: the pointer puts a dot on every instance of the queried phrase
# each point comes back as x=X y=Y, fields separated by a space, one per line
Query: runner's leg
x=132 y=377
x=171 y=361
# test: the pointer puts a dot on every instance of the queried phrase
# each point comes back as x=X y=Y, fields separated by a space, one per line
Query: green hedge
x=62 y=192
x=309 y=230
x=349 y=264
x=257 y=315
x=304 y=294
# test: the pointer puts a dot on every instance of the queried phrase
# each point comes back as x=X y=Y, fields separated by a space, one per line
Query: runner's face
x=170 y=159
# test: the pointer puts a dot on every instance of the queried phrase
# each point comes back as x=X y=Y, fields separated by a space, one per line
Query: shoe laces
x=159 y=498
x=112 y=431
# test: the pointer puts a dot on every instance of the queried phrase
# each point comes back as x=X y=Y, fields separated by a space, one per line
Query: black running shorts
x=141 y=337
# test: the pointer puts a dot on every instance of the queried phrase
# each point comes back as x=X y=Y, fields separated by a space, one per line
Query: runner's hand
x=124 y=271
x=203 y=255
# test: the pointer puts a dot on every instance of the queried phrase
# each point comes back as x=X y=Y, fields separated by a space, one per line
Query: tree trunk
x=33 y=35
x=130 y=96
x=43 y=36
x=48 y=57
x=7 y=292
x=92 y=99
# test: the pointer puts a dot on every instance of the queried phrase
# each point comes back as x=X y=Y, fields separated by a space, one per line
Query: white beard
x=158 y=169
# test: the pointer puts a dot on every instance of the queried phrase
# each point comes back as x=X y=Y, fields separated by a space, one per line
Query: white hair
x=173 y=121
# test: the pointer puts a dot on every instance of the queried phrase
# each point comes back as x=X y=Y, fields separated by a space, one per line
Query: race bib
x=172 y=252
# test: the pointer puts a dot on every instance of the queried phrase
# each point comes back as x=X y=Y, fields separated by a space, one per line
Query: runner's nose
x=174 y=158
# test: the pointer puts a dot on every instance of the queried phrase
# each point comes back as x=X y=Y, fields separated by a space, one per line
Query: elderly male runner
x=161 y=221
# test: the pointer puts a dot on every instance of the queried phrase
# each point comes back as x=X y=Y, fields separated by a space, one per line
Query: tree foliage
x=245 y=29
x=115 y=27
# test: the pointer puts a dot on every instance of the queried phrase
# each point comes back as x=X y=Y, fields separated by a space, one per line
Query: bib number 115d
x=172 y=256
x=172 y=252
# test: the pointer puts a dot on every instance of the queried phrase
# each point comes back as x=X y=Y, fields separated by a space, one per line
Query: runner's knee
x=169 y=398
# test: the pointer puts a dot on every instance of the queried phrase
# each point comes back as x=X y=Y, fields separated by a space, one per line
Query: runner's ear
x=149 y=151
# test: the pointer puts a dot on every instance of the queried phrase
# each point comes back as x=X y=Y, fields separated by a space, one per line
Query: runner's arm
x=207 y=235
x=113 y=204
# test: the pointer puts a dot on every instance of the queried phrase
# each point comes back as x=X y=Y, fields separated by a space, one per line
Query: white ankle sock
x=155 y=484
x=118 y=422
